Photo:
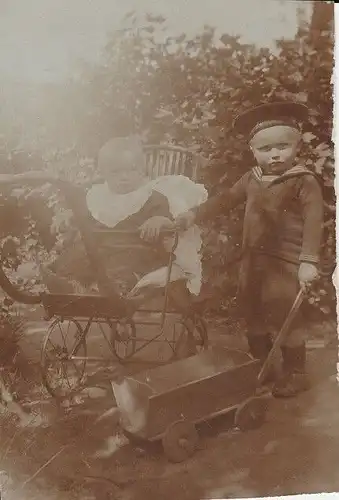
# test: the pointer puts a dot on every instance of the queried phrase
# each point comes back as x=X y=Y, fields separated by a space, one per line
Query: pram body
x=74 y=315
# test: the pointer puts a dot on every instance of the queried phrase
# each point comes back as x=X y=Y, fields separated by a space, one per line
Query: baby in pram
x=136 y=209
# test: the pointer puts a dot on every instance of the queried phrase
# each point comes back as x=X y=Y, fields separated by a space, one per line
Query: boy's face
x=275 y=148
x=125 y=172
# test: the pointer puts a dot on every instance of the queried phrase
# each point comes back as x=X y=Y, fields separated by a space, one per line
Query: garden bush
x=187 y=92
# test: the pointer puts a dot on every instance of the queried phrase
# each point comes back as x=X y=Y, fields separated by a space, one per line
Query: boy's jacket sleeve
x=223 y=202
x=312 y=204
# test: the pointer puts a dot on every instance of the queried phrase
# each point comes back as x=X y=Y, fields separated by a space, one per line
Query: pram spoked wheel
x=61 y=374
x=180 y=441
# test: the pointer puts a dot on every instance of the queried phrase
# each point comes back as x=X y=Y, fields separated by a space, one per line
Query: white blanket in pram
x=182 y=194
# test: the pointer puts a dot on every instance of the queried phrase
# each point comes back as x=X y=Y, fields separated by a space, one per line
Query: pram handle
x=163 y=232
x=35 y=179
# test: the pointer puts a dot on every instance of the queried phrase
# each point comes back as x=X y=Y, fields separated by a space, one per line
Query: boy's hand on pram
x=151 y=229
x=307 y=274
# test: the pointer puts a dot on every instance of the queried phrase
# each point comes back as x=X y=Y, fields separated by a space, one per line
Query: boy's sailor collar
x=259 y=175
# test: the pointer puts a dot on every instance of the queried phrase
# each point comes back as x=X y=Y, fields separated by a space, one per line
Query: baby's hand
x=151 y=229
x=307 y=274
x=185 y=220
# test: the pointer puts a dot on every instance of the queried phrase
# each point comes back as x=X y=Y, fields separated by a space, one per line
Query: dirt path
x=296 y=451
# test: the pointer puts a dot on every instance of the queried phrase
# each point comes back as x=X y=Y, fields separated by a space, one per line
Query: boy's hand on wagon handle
x=185 y=220
x=308 y=273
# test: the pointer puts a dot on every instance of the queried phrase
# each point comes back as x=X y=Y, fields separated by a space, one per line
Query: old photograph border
x=142 y=148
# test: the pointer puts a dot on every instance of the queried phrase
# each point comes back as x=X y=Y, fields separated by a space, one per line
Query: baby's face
x=275 y=148
x=126 y=172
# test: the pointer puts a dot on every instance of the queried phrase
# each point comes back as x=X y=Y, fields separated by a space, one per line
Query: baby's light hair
x=112 y=149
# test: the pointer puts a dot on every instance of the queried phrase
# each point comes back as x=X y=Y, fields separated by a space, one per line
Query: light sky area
x=42 y=39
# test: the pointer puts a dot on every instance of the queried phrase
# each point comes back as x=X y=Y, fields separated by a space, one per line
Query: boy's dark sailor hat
x=268 y=115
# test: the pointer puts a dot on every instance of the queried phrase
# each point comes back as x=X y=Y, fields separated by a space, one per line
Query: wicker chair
x=173 y=160
x=168 y=160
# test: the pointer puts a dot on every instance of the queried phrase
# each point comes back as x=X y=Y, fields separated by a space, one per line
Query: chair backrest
x=172 y=160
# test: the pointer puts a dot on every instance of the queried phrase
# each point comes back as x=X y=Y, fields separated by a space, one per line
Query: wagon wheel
x=62 y=375
x=180 y=441
x=251 y=414
x=200 y=336
x=123 y=339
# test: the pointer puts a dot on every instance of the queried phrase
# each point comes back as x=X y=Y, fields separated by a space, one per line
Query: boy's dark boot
x=260 y=347
x=295 y=379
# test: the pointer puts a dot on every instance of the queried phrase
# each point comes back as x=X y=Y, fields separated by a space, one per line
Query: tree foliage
x=187 y=92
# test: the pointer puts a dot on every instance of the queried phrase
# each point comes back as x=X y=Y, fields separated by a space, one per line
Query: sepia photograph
x=168 y=322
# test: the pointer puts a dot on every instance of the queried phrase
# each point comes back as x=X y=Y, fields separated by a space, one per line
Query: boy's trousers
x=269 y=293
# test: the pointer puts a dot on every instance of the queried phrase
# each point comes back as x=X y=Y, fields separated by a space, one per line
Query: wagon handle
x=281 y=335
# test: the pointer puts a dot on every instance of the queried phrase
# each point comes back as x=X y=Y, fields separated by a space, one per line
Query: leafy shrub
x=187 y=92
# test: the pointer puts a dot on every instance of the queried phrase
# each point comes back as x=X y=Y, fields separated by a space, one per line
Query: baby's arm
x=157 y=218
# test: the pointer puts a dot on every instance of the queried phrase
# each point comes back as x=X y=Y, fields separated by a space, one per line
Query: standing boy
x=281 y=234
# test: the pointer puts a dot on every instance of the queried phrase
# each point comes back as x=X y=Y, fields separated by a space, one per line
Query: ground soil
x=295 y=451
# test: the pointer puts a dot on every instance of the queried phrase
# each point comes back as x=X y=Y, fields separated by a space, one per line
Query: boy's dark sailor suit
x=282 y=229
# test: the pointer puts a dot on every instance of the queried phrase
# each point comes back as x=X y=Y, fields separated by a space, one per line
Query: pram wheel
x=61 y=373
x=180 y=441
x=123 y=339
